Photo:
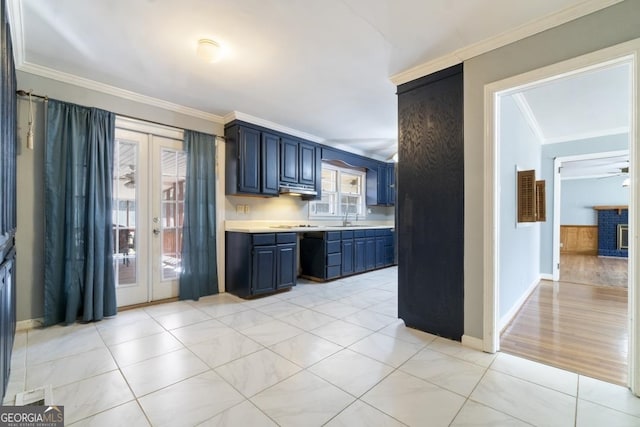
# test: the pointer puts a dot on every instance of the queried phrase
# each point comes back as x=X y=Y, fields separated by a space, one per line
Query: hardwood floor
x=581 y=328
x=593 y=270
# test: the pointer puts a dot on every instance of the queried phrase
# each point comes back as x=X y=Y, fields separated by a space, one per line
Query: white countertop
x=261 y=227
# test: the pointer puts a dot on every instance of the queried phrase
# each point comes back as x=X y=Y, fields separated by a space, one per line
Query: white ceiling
x=320 y=67
x=585 y=105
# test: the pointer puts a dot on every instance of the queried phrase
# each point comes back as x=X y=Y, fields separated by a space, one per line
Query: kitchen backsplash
x=285 y=208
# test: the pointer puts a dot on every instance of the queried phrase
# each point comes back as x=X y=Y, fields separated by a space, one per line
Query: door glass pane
x=124 y=212
x=173 y=170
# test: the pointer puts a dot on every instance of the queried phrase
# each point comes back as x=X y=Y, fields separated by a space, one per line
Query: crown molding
x=530 y=118
x=14 y=8
x=237 y=115
x=115 y=91
x=503 y=39
x=587 y=135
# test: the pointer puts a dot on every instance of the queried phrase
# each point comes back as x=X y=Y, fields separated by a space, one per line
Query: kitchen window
x=343 y=193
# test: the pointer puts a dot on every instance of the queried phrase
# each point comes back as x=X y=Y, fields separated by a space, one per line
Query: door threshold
x=147 y=304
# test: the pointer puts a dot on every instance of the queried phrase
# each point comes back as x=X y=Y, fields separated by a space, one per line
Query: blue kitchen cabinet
x=298 y=162
x=370 y=250
x=252 y=161
x=326 y=255
x=249 y=160
x=286 y=265
x=307 y=164
x=289 y=162
x=380 y=252
x=263 y=269
x=259 y=263
x=391 y=184
x=270 y=177
x=381 y=181
x=320 y=255
x=347 y=253
x=359 y=248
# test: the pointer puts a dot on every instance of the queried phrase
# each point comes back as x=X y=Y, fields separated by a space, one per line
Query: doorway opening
x=148 y=210
x=519 y=255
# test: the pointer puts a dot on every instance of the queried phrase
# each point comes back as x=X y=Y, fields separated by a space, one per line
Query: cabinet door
x=270 y=160
x=289 y=160
x=347 y=257
x=307 y=170
x=383 y=186
x=359 y=255
x=248 y=160
x=286 y=265
x=380 y=252
x=370 y=253
x=391 y=184
x=264 y=269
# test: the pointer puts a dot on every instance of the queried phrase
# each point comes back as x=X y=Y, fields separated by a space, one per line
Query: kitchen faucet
x=345 y=221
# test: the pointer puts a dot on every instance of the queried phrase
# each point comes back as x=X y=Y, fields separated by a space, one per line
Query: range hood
x=298 y=190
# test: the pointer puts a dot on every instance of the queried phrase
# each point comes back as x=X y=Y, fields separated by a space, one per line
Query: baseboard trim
x=472 y=342
x=508 y=317
x=25 y=325
x=546 y=276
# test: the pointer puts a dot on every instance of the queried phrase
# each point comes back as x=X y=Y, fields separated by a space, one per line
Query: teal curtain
x=199 y=276
x=79 y=277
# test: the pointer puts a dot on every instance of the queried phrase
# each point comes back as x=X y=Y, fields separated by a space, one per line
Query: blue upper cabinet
x=270 y=183
x=297 y=162
x=289 y=163
x=252 y=161
x=307 y=164
x=249 y=160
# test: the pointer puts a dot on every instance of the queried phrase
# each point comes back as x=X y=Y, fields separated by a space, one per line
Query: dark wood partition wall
x=7 y=198
x=430 y=203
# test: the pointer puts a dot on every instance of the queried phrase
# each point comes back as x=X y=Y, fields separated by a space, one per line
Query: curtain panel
x=79 y=277
x=199 y=276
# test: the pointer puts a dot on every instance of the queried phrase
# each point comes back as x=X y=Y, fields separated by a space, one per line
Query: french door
x=148 y=210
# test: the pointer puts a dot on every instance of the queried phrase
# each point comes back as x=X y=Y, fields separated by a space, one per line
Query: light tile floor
x=321 y=354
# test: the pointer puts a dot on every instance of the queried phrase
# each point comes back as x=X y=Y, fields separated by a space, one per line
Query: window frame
x=336 y=207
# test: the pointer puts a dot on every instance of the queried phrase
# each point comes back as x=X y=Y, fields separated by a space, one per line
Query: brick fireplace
x=612 y=225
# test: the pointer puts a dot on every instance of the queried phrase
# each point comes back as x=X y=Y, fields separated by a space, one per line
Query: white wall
x=608 y=27
x=579 y=196
x=519 y=243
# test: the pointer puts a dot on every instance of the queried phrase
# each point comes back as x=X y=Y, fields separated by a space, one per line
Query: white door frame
x=154 y=134
x=625 y=52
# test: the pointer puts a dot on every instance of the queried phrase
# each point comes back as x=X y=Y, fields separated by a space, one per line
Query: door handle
x=156 y=231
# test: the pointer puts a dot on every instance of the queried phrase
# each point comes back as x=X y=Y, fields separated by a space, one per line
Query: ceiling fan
x=129 y=177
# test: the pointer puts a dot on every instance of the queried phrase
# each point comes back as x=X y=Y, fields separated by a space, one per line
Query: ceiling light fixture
x=208 y=50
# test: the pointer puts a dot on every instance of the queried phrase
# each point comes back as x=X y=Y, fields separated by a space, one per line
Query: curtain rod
x=21 y=92
x=30 y=93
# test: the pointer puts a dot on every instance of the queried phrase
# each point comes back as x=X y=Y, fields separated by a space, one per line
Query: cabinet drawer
x=347 y=234
x=370 y=233
x=333 y=271
x=332 y=235
x=334 y=259
x=333 y=247
x=384 y=232
x=264 y=239
x=286 y=238
x=358 y=233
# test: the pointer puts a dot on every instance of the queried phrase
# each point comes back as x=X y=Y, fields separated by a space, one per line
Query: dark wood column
x=430 y=203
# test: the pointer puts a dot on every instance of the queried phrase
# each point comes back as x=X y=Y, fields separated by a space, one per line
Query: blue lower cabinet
x=259 y=263
x=359 y=248
x=347 y=257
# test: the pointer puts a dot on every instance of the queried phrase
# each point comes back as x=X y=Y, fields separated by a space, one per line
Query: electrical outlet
x=246 y=209
x=239 y=208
